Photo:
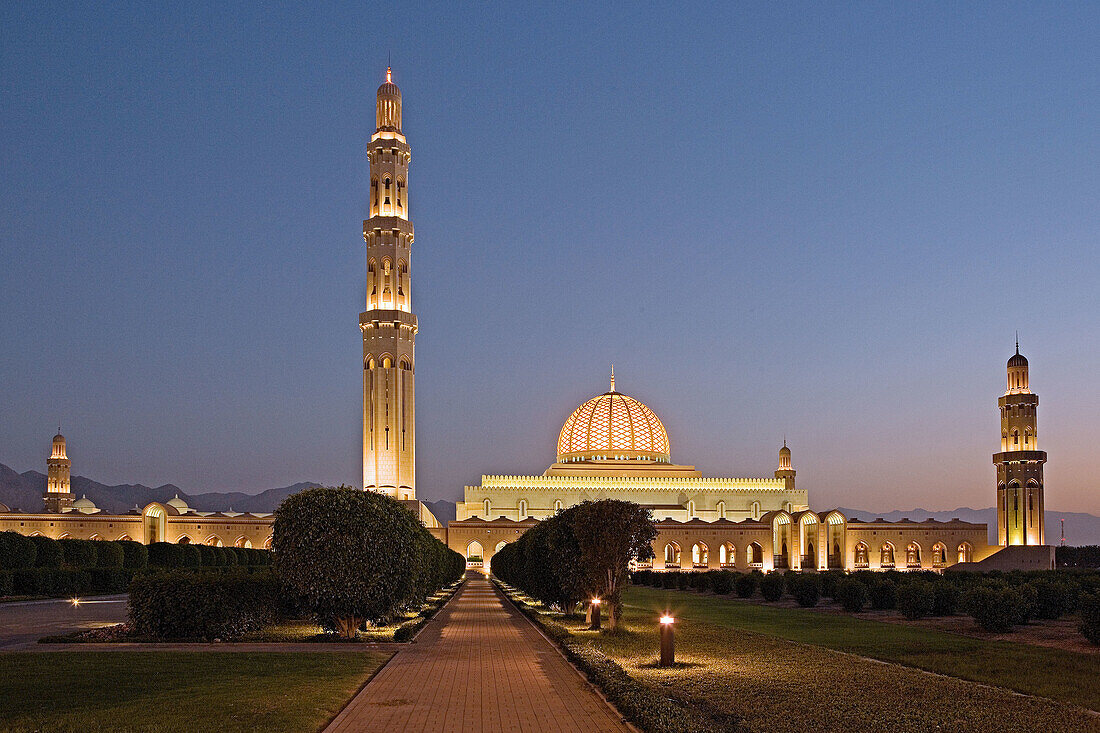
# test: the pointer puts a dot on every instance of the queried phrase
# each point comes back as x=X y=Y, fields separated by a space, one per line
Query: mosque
x=611 y=446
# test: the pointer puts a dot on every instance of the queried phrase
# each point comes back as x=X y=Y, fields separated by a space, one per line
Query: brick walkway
x=478 y=666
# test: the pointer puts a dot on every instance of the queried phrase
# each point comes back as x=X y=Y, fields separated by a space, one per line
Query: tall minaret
x=1020 y=463
x=785 y=471
x=388 y=325
x=58 y=497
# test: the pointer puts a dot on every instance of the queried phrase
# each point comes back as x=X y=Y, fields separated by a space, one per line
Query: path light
x=75 y=602
x=668 y=652
x=594 y=607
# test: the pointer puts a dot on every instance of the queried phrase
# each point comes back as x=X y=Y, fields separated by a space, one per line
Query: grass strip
x=1068 y=676
x=178 y=691
x=651 y=709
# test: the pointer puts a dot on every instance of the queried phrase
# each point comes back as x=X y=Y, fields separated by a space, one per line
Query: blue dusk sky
x=823 y=221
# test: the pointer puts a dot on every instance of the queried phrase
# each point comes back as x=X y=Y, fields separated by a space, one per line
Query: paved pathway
x=478 y=666
x=23 y=623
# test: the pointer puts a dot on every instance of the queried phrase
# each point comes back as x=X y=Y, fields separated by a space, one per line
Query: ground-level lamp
x=594 y=613
x=668 y=651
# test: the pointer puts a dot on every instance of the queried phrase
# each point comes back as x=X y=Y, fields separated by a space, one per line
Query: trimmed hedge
x=5 y=582
x=172 y=555
x=806 y=589
x=134 y=555
x=51 y=582
x=916 y=599
x=48 y=552
x=1090 y=617
x=78 y=553
x=109 y=555
x=992 y=608
x=16 y=551
x=746 y=584
x=185 y=605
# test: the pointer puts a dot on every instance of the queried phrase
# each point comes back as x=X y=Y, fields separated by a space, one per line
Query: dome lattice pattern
x=613 y=425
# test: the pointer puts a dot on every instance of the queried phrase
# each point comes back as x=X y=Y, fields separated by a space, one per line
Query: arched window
x=672 y=555
x=939 y=555
x=405 y=365
x=387 y=362
x=267 y=542
x=912 y=555
x=727 y=555
x=386 y=185
x=862 y=555
x=121 y=538
x=488 y=508
x=691 y=510
x=95 y=537
x=755 y=510
x=700 y=556
x=755 y=555
x=721 y=510
x=886 y=555
x=966 y=552
x=243 y=542
x=185 y=540
x=557 y=505
x=523 y=509
x=214 y=541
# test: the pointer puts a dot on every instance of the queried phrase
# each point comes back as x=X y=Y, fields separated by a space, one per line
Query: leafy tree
x=851 y=594
x=610 y=533
x=355 y=556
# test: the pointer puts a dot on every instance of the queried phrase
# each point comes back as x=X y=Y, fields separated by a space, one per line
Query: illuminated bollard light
x=668 y=650
x=594 y=612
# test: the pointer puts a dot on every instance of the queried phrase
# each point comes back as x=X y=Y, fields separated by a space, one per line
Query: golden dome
x=613 y=426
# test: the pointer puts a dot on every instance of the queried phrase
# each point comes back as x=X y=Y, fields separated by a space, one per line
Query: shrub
x=6 y=584
x=807 y=590
x=109 y=555
x=771 y=586
x=1051 y=598
x=883 y=594
x=186 y=605
x=829 y=579
x=992 y=608
x=945 y=598
x=190 y=557
x=745 y=584
x=1089 y=626
x=1027 y=602
x=78 y=553
x=355 y=556
x=47 y=552
x=31 y=581
x=209 y=556
x=16 y=551
x=229 y=558
x=670 y=579
x=851 y=594
x=721 y=582
x=916 y=599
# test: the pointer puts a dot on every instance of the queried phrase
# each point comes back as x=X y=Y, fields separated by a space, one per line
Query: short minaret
x=1020 y=509
x=58 y=496
x=785 y=472
x=388 y=324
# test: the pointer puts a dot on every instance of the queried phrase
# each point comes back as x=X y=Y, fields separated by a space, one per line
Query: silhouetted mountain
x=24 y=491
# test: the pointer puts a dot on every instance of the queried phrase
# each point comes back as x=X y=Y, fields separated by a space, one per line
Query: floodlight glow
x=667 y=619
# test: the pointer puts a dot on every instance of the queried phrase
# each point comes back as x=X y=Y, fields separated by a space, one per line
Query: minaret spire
x=612 y=377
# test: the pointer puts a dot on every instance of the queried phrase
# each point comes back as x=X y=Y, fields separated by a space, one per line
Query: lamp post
x=594 y=612
x=668 y=651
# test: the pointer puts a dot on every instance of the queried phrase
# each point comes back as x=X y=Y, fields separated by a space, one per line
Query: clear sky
x=823 y=221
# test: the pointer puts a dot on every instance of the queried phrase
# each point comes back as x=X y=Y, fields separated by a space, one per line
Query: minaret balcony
x=387 y=224
x=1021 y=456
x=386 y=317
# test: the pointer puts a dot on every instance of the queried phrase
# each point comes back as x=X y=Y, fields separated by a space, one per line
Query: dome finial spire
x=612 y=378
x=1017 y=341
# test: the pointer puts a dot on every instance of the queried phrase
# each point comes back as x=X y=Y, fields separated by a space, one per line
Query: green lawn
x=1034 y=670
x=748 y=660
x=178 y=691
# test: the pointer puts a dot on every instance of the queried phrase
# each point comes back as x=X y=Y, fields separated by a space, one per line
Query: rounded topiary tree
x=771 y=587
x=350 y=555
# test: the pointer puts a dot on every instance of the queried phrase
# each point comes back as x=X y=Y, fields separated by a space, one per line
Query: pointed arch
x=672 y=555
x=912 y=555
x=700 y=555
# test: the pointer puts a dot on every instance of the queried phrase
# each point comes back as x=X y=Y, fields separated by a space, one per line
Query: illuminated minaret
x=388 y=324
x=785 y=472
x=1020 y=463
x=58 y=496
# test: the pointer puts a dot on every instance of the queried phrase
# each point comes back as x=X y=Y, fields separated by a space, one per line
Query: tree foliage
x=357 y=556
x=578 y=553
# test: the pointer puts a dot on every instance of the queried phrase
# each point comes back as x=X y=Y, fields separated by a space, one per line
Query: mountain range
x=24 y=491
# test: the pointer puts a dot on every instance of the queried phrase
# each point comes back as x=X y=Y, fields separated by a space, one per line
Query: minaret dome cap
x=388 y=88
x=1017 y=360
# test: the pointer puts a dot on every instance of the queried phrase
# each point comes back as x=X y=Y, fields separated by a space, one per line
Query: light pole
x=668 y=650
x=594 y=609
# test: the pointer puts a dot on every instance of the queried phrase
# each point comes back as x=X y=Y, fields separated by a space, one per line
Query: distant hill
x=24 y=491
